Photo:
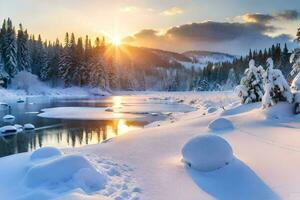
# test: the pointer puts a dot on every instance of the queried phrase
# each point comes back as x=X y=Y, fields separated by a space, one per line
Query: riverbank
x=146 y=163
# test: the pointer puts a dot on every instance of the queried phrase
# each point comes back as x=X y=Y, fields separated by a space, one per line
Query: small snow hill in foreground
x=207 y=152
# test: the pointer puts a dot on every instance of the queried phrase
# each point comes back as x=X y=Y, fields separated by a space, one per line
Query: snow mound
x=211 y=110
x=45 y=152
x=8 y=129
x=221 y=124
x=281 y=110
x=74 y=170
x=9 y=118
x=207 y=153
x=28 y=127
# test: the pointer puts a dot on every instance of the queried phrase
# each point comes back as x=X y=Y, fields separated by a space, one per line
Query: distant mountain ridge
x=149 y=57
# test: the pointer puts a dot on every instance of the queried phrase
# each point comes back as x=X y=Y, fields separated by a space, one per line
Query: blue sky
x=123 y=18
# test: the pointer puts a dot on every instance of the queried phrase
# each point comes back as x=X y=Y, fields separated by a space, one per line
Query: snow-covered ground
x=26 y=84
x=147 y=163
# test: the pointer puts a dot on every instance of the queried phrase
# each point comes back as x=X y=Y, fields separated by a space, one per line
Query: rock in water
x=29 y=127
x=8 y=129
x=9 y=118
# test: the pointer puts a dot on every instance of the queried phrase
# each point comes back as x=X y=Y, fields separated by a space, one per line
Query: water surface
x=63 y=133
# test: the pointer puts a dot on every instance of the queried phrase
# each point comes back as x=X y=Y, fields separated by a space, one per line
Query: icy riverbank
x=147 y=163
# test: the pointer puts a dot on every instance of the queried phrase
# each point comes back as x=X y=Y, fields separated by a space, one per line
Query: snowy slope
x=205 y=57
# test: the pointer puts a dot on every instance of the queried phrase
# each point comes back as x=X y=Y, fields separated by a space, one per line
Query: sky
x=233 y=26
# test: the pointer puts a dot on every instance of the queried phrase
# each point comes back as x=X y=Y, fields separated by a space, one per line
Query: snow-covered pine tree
x=23 y=58
x=203 y=85
x=231 y=80
x=275 y=86
x=251 y=86
x=65 y=62
x=9 y=48
x=42 y=59
x=295 y=60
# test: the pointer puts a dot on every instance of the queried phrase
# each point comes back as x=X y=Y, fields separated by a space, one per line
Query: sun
x=116 y=40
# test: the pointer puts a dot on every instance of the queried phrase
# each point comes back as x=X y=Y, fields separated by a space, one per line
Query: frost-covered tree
x=251 y=86
x=203 y=85
x=231 y=80
x=23 y=58
x=9 y=48
x=275 y=86
x=295 y=60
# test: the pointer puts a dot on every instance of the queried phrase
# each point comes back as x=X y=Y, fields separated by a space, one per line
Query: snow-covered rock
x=18 y=126
x=72 y=169
x=207 y=153
x=220 y=124
x=8 y=129
x=45 y=152
x=29 y=127
x=9 y=118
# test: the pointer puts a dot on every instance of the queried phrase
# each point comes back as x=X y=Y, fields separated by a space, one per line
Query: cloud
x=268 y=18
x=288 y=15
x=258 y=18
x=234 y=38
x=172 y=11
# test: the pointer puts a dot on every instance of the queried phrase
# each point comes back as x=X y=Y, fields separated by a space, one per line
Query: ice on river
x=84 y=113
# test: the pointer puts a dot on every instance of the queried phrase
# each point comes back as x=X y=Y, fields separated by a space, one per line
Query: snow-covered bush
x=207 y=152
x=251 y=86
x=275 y=86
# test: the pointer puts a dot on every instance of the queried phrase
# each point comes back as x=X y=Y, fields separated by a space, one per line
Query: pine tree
x=251 y=86
x=23 y=58
x=9 y=48
x=275 y=86
x=65 y=62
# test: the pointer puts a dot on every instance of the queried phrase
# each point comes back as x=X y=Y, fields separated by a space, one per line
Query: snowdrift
x=207 y=153
x=221 y=124
x=72 y=169
x=280 y=111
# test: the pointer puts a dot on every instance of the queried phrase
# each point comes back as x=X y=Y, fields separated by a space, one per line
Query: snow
x=84 y=113
x=203 y=58
x=9 y=118
x=26 y=84
x=147 y=163
x=72 y=170
x=28 y=127
x=220 y=124
x=8 y=129
x=207 y=153
x=45 y=152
